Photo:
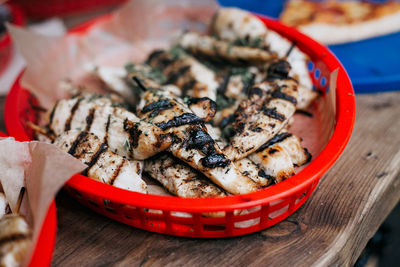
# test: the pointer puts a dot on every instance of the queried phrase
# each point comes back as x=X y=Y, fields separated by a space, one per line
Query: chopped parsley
x=256 y=42
x=224 y=102
x=94 y=96
x=247 y=76
x=177 y=52
x=146 y=71
x=127 y=145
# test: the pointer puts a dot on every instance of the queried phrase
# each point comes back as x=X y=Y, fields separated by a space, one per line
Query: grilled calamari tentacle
x=179 y=179
x=124 y=133
x=259 y=118
x=15 y=240
x=193 y=144
x=103 y=164
x=186 y=72
x=222 y=50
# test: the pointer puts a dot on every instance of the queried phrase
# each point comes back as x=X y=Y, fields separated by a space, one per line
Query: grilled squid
x=113 y=79
x=267 y=110
x=103 y=164
x=184 y=71
x=241 y=27
x=215 y=49
x=203 y=107
x=179 y=179
x=15 y=240
x=280 y=155
x=247 y=167
x=121 y=130
x=193 y=144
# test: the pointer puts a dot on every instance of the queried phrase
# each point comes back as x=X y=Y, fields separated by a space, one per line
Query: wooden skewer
x=40 y=130
x=19 y=201
x=290 y=49
x=139 y=83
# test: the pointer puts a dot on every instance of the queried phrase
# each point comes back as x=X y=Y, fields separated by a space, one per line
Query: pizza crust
x=336 y=34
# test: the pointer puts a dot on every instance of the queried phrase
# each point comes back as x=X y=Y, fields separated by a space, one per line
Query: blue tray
x=373 y=64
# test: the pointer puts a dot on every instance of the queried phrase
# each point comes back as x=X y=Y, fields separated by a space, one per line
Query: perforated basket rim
x=345 y=116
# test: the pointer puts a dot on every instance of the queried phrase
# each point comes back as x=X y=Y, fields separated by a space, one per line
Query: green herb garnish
x=224 y=102
x=127 y=145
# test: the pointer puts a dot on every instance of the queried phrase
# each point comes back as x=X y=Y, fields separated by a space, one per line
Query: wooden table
x=332 y=228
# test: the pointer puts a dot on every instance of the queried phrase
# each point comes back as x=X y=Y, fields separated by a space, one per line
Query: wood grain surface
x=331 y=229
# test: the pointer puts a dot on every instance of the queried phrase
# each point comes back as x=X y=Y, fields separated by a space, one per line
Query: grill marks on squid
x=71 y=116
x=102 y=148
x=276 y=139
x=89 y=119
x=201 y=140
x=76 y=142
x=116 y=172
x=133 y=131
x=184 y=119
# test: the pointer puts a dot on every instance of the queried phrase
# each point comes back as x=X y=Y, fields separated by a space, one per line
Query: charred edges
x=52 y=113
x=76 y=142
x=71 y=116
x=215 y=160
x=276 y=139
x=184 y=119
x=117 y=171
x=281 y=95
x=105 y=140
x=89 y=119
x=272 y=113
x=309 y=156
x=134 y=133
x=262 y=174
x=157 y=106
x=103 y=148
x=156 y=56
x=206 y=102
x=256 y=91
x=200 y=139
x=278 y=70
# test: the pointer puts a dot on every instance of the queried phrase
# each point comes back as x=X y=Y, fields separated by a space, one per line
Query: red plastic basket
x=51 y=8
x=45 y=244
x=5 y=39
x=269 y=206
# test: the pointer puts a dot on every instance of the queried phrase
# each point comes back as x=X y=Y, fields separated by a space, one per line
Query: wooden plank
x=332 y=228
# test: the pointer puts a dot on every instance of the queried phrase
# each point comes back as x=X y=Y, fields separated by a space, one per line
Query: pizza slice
x=333 y=22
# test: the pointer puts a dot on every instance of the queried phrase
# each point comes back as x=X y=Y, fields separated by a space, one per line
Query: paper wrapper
x=128 y=36
x=42 y=169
